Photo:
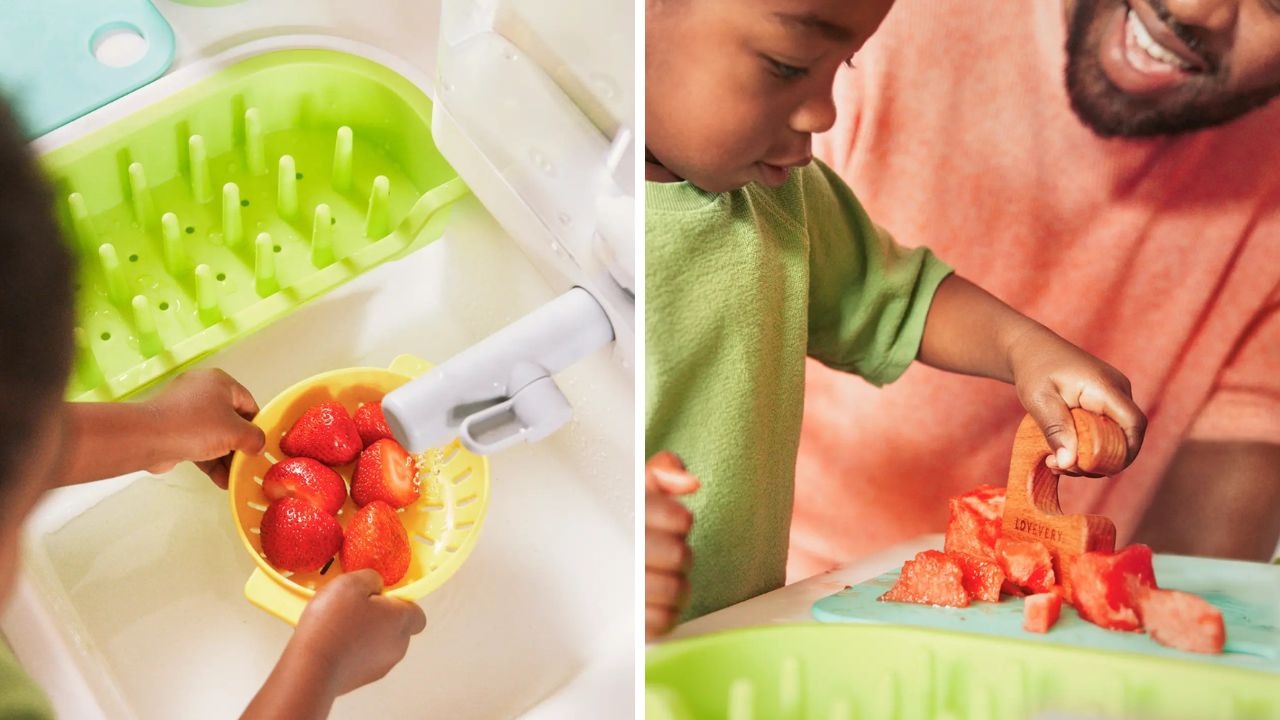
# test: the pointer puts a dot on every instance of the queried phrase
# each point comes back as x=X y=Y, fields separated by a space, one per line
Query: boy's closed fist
x=205 y=416
x=348 y=636
x=1052 y=376
x=354 y=634
x=666 y=553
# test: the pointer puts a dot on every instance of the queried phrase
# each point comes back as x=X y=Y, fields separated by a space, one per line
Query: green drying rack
x=209 y=214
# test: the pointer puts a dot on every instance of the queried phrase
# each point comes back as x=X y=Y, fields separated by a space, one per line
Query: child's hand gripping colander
x=442 y=524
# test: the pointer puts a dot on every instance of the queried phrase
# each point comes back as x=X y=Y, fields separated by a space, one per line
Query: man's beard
x=1200 y=102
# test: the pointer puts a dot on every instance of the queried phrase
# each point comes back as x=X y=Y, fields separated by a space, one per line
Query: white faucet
x=499 y=391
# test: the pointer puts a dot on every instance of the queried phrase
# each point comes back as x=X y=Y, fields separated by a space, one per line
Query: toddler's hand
x=353 y=634
x=206 y=414
x=666 y=554
x=348 y=636
x=1052 y=376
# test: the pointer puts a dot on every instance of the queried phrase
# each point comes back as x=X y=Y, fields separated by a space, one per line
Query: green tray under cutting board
x=1247 y=593
x=886 y=672
x=215 y=211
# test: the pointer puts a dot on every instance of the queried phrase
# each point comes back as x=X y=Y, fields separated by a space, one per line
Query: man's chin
x=1110 y=113
x=1196 y=103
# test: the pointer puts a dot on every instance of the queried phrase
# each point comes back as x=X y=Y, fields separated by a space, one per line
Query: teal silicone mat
x=211 y=213
x=47 y=64
x=1247 y=593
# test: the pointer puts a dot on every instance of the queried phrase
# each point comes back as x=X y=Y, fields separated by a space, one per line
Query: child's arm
x=666 y=554
x=970 y=331
x=202 y=416
x=348 y=636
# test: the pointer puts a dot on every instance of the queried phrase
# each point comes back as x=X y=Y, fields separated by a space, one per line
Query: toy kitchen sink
x=517 y=251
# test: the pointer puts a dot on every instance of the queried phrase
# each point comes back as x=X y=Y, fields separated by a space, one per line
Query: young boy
x=757 y=257
x=347 y=637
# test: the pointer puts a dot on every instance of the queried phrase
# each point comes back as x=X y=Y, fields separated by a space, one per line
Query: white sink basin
x=131 y=603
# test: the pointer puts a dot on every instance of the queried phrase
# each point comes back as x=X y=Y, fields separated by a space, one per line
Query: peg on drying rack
x=377 y=221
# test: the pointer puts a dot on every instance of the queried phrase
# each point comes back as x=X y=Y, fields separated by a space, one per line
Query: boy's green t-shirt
x=740 y=287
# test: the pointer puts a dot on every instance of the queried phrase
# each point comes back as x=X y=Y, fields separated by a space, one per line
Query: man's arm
x=1218 y=499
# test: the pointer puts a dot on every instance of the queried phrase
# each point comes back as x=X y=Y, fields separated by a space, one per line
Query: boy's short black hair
x=36 y=296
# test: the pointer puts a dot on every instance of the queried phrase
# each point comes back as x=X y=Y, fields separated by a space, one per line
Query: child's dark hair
x=36 y=297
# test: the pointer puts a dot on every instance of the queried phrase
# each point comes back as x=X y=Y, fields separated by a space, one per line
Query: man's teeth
x=1154 y=50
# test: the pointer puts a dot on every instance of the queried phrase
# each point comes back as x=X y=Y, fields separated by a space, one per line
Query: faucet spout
x=499 y=392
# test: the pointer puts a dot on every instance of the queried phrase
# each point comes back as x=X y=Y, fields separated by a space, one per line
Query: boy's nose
x=1211 y=15
x=816 y=115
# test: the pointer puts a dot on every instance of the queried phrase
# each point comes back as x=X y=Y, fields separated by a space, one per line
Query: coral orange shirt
x=1161 y=256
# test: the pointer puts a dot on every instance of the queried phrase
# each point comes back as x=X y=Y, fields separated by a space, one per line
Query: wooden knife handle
x=1032 y=510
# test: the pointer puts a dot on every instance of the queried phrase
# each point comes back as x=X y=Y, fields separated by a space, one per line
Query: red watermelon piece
x=932 y=578
x=982 y=578
x=1106 y=587
x=1040 y=611
x=975 y=522
x=1182 y=620
x=1027 y=564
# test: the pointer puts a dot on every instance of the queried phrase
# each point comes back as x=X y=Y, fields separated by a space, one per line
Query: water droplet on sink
x=603 y=85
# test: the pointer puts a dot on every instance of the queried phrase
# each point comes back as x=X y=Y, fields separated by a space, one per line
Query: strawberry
x=1040 y=611
x=306 y=479
x=376 y=539
x=975 y=521
x=371 y=423
x=298 y=536
x=932 y=578
x=325 y=432
x=1182 y=620
x=386 y=472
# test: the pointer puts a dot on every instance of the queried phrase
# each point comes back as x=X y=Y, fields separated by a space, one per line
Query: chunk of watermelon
x=932 y=578
x=1027 y=564
x=982 y=578
x=1106 y=587
x=975 y=521
x=1040 y=611
x=1182 y=620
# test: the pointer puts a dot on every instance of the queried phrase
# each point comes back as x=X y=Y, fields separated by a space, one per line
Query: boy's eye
x=785 y=71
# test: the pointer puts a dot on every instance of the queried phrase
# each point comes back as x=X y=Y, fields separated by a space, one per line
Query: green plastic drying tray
x=215 y=211
x=886 y=672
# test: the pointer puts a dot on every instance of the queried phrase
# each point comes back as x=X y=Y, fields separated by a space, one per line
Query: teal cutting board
x=47 y=67
x=1247 y=593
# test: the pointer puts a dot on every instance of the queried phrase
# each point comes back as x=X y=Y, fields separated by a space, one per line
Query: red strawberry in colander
x=386 y=472
x=325 y=432
x=306 y=479
x=376 y=539
x=371 y=423
x=297 y=536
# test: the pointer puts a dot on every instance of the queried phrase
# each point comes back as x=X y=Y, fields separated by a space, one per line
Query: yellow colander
x=443 y=524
